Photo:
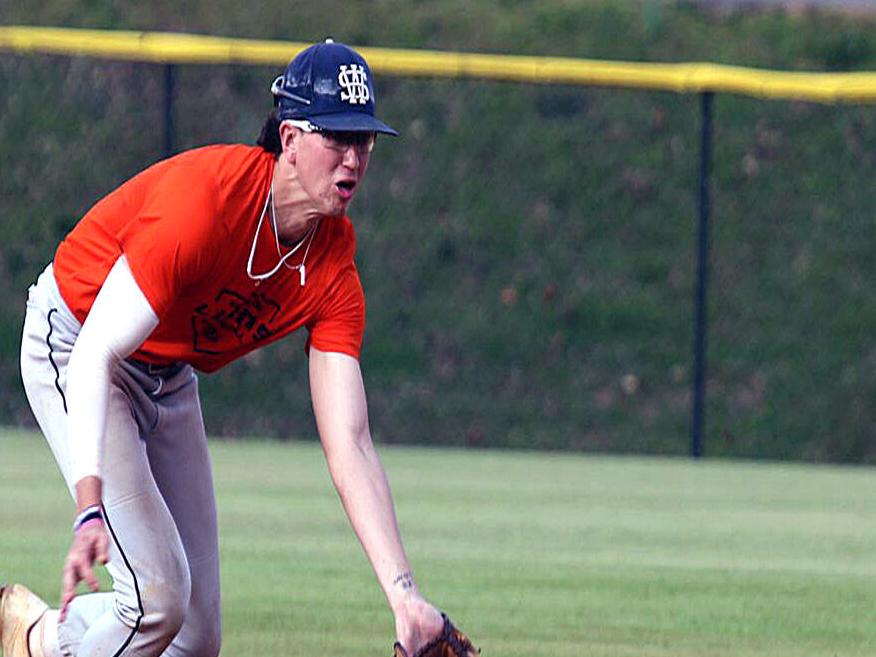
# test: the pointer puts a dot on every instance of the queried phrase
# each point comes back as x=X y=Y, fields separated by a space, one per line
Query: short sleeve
x=175 y=238
x=340 y=324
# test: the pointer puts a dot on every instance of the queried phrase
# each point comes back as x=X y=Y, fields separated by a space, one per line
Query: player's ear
x=289 y=136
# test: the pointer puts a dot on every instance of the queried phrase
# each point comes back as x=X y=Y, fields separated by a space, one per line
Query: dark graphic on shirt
x=231 y=320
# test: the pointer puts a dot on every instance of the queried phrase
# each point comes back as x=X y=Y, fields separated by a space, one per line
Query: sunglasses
x=340 y=140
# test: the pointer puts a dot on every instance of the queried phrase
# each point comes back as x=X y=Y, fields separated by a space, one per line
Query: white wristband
x=92 y=512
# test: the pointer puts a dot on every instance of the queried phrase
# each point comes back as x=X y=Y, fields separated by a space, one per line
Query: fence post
x=701 y=318
x=168 y=109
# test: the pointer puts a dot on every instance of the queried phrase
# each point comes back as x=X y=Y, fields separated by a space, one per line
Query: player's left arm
x=339 y=404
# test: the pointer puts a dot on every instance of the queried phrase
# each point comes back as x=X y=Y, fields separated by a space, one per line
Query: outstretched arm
x=119 y=321
x=339 y=405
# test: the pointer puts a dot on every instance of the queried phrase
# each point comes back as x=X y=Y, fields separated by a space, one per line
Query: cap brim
x=352 y=122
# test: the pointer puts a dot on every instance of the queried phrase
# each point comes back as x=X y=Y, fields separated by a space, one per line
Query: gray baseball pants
x=158 y=497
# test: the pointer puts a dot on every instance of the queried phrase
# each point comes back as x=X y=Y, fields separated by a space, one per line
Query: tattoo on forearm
x=405 y=581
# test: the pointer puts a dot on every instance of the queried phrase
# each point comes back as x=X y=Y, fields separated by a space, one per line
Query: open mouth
x=346 y=186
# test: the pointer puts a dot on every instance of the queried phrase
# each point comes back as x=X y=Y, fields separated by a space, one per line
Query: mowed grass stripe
x=535 y=554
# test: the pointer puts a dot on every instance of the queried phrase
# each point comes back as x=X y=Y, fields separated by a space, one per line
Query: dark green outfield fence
x=536 y=255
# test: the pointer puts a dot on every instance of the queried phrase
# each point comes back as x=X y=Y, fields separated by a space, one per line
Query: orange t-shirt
x=186 y=226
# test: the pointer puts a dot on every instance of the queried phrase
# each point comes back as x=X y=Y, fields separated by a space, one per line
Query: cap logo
x=354 y=84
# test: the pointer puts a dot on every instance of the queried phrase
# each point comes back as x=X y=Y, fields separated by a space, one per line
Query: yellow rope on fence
x=165 y=47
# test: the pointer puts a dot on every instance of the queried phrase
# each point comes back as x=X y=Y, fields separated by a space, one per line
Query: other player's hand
x=90 y=545
x=416 y=623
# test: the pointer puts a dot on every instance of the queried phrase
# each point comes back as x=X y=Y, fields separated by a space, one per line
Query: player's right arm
x=119 y=321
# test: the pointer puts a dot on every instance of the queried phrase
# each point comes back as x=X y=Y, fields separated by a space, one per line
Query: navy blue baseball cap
x=329 y=85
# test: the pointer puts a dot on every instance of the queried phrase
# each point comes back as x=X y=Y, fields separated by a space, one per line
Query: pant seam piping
x=52 y=360
x=136 y=585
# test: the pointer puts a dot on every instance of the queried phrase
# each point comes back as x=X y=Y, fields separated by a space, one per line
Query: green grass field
x=534 y=554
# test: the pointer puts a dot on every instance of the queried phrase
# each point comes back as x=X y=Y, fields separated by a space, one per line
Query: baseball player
x=189 y=265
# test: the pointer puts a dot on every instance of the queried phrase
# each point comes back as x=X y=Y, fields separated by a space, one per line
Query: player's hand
x=90 y=545
x=416 y=623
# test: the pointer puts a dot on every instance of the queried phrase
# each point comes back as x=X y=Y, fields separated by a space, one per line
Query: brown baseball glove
x=450 y=643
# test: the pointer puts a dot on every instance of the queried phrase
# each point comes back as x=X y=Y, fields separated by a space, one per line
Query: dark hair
x=269 y=137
